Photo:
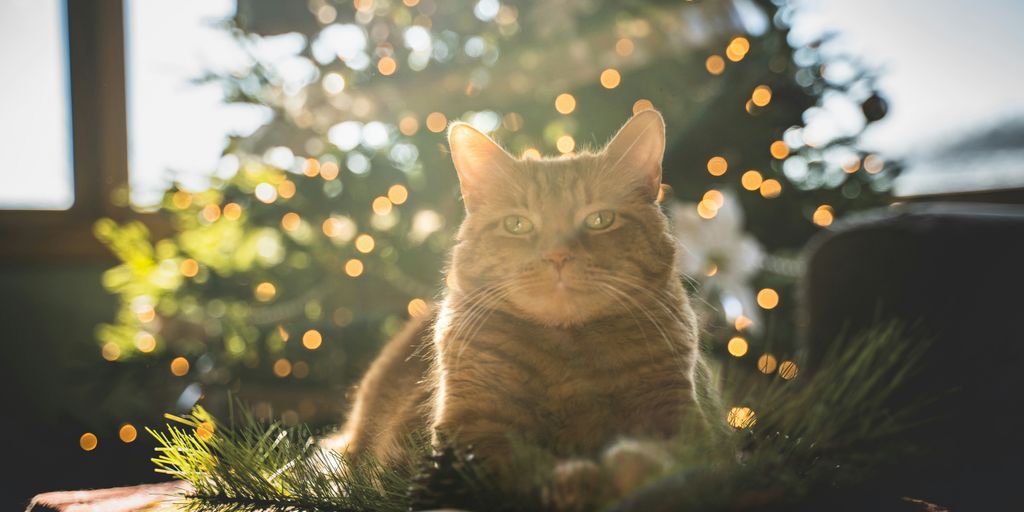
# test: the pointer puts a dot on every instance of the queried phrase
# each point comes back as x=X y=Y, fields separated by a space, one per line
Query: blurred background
x=204 y=198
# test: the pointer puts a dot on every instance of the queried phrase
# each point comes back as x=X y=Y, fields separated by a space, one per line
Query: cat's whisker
x=650 y=317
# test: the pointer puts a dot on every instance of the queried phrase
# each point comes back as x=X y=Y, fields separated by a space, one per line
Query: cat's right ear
x=479 y=161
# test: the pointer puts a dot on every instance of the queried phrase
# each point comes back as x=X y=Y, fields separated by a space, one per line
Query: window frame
x=99 y=144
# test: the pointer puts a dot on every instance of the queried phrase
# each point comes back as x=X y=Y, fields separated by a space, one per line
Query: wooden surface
x=149 y=497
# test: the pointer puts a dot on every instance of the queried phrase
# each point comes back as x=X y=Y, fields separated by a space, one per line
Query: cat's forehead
x=567 y=182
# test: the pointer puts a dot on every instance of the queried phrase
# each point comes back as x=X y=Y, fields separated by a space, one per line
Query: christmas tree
x=282 y=279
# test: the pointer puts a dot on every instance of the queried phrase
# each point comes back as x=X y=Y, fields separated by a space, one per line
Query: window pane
x=177 y=128
x=35 y=124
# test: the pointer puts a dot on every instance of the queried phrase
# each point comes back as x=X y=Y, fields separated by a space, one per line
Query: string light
x=768 y=298
x=641 y=105
x=329 y=171
x=311 y=168
x=779 y=150
x=737 y=346
x=717 y=166
x=715 y=198
x=408 y=125
x=565 y=103
x=179 y=366
x=387 y=66
x=286 y=190
x=265 y=291
x=761 y=96
x=181 y=199
x=312 y=339
x=712 y=270
x=610 y=78
x=291 y=221
x=565 y=144
x=715 y=64
x=737 y=49
x=624 y=47
x=742 y=323
x=365 y=243
x=210 y=212
x=282 y=333
x=205 y=430
x=353 y=268
x=741 y=417
x=873 y=164
x=766 y=364
x=751 y=180
x=145 y=342
x=232 y=211
x=418 y=308
x=852 y=166
x=381 y=205
x=706 y=211
x=770 y=188
x=436 y=122
x=127 y=433
x=266 y=193
x=110 y=351
x=88 y=441
x=530 y=154
x=823 y=216
x=398 y=194
x=189 y=267
x=282 y=368
x=788 y=370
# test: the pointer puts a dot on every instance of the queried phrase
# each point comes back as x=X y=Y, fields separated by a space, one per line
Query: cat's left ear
x=479 y=161
x=637 y=151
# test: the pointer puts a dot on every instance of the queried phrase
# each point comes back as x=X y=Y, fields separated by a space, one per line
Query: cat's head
x=562 y=240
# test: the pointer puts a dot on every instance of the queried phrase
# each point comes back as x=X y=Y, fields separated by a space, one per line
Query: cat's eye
x=518 y=225
x=599 y=220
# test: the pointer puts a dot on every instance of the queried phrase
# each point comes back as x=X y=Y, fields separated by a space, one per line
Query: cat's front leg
x=630 y=463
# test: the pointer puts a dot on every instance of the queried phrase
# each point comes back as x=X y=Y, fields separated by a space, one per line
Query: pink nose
x=558 y=256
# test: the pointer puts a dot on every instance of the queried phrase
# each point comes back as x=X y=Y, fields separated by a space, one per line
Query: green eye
x=518 y=225
x=599 y=220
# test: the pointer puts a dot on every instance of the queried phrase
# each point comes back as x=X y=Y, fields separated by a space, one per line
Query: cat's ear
x=637 y=151
x=479 y=161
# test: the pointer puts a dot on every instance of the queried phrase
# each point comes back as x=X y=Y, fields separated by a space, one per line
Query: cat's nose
x=558 y=256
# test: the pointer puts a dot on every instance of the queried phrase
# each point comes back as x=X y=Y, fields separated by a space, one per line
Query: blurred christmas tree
x=335 y=223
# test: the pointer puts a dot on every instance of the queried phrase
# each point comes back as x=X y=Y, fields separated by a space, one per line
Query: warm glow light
x=873 y=164
x=565 y=103
x=333 y=83
x=110 y=351
x=737 y=346
x=381 y=205
x=127 y=433
x=411 y=3
x=741 y=417
x=88 y=441
x=852 y=166
x=312 y=167
x=211 y=212
x=365 y=243
x=751 y=180
x=181 y=199
x=282 y=333
x=189 y=267
x=742 y=323
x=362 y=5
x=353 y=268
x=312 y=339
x=641 y=105
x=179 y=366
x=766 y=364
x=146 y=314
x=624 y=47
x=436 y=122
x=282 y=368
x=779 y=150
x=266 y=193
x=418 y=307
x=290 y=221
x=770 y=188
x=145 y=342
x=788 y=370
x=531 y=154
x=706 y=210
x=265 y=291
x=408 y=125
x=513 y=121
x=762 y=95
x=737 y=49
x=565 y=143
x=717 y=166
x=387 y=66
x=398 y=194
x=823 y=216
x=714 y=198
x=715 y=64
x=329 y=170
x=286 y=190
x=610 y=78
x=205 y=430
x=232 y=211
x=768 y=298
x=712 y=270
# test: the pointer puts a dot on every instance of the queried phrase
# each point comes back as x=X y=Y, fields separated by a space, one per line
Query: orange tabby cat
x=564 y=323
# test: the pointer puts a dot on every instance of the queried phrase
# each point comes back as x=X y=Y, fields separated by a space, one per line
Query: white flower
x=719 y=255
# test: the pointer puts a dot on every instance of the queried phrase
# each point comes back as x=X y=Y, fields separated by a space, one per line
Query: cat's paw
x=576 y=484
x=630 y=463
